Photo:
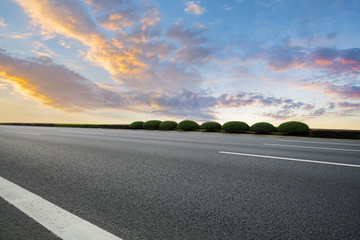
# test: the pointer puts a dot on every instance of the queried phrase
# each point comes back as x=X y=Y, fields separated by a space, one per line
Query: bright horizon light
x=119 y=61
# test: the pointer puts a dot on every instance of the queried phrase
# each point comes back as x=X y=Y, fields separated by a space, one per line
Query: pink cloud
x=194 y=8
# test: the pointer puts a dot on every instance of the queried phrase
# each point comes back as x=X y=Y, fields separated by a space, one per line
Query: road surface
x=137 y=184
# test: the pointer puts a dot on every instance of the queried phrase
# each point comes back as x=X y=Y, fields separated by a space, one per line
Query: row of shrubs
x=292 y=127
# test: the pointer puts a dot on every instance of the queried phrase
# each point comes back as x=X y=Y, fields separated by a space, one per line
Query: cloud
x=285 y=57
x=331 y=105
x=348 y=105
x=63 y=44
x=195 y=48
x=332 y=35
x=2 y=22
x=137 y=55
x=318 y=112
x=288 y=56
x=15 y=35
x=55 y=85
x=115 y=14
x=202 y=106
x=345 y=91
x=194 y=8
x=280 y=115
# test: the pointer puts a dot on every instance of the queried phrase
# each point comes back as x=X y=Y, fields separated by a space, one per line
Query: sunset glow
x=119 y=61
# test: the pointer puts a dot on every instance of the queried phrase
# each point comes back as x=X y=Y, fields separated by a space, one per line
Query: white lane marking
x=79 y=132
x=334 y=143
x=323 y=148
x=35 y=134
x=59 y=221
x=291 y=159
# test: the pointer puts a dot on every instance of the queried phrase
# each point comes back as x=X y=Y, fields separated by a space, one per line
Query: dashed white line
x=35 y=134
x=291 y=159
x=333 y=143
x=323 y=148
x=59 y=221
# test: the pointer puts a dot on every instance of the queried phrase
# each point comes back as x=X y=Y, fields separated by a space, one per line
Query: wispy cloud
x=58 y=87
x=194 y=8
x=195 y=49
x=345 y=91
x=63 y=44
x=2 y=22
x=15 y=35
x=328 y=58
x=348 y=105
x=137 y=56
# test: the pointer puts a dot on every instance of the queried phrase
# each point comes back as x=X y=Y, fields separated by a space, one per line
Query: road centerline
x=59 y=221
x=323 y=148
x=290 y=159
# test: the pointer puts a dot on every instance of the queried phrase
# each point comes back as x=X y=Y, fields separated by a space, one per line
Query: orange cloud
x=347 y=61
x=194 y=8
x=135 y=57
x=55 y=85
x=123 y=62
x=323 y=62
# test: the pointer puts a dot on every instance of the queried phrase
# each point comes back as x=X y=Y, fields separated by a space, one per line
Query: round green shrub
x=235 y=127
x=136 y=125
x=294 y=128
x=188 y=125
x=152 y=124
x=262 y=127
x=168 y=125
x=211 y=126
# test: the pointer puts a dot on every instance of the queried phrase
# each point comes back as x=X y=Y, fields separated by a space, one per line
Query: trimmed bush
x=152 y=124
x=188 y=125
x=262 y=127
x=211 y=126
x=136 y=125
x=168 y=125
x=294 y=128
x=235 y=127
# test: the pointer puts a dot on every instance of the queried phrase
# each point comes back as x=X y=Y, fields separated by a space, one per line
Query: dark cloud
x=201 y=106
x=331 y=105
x=348 y=105
x=318 y=112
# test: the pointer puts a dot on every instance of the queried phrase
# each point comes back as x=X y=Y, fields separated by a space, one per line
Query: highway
x=137 y=184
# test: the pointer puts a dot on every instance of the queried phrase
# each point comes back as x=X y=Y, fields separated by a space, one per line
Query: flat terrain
x=184 y=185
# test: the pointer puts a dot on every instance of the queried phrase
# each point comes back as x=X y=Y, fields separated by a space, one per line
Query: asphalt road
x=177 y=185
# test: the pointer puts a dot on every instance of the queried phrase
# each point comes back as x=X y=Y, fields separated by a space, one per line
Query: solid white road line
x=334 y=143
x=79 y=132
x=291 y=159
x=35 y=134
x=59 y=221
x=323 y=148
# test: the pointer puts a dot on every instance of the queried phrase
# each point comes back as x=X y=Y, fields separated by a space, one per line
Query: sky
x=119 y=61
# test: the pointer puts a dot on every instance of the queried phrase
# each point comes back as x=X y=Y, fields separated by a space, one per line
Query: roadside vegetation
x=293 y=128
